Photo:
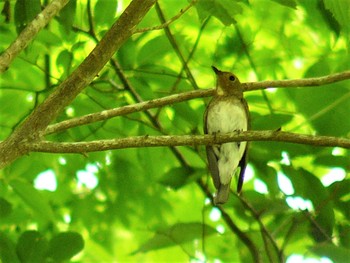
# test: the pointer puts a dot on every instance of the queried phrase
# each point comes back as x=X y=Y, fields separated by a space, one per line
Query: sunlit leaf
x=224 y=10
x=335 y=253
x=288 y=3
x=176 y=235
x=105 y=11
x=33 y=198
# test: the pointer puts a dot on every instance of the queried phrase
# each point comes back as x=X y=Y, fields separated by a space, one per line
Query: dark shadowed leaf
x=65 y=245
x=5 y=207
x=67 y=16
x=25 y=12
x=7 y=250
x=32 y=247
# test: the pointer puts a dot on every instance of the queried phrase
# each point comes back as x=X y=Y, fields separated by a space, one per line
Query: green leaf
x=344 y=231
x=333 y=252
x=308 y=186
x=288 y=3
x=7 y=250
x=153 y=51
x=25 y=12
x=224 y=10
x=329 y=18
x=340 y=192
x=341 y=10
x=32 y=247
x=127 y=54
x=176 y=177
x=270 y=122
x=65 y=245
x=67 y=15
x=105 y=11
x=33 y=198
x=333 y=161
x=64 y=61
x=175 y=235
x=5 y=208
x=325 y=106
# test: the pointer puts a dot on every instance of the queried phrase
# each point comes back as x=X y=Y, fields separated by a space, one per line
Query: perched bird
x=226 y=112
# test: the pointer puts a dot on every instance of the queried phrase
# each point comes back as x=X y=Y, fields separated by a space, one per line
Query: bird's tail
x=222 y=194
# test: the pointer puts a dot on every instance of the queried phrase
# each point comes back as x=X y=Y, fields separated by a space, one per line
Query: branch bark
x=36 y=123
x=183 y=140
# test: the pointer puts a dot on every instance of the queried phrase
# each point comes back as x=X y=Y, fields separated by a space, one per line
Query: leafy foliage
x=148 y=204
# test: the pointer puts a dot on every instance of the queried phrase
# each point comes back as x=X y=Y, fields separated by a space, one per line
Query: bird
x=227 y=112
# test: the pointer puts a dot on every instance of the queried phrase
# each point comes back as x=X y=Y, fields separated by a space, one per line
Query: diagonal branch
x=36 y=123
x=182 y=140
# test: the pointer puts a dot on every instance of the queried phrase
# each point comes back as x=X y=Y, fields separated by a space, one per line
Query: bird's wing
x=212 y=158
x=213 y=166
x=242 y=164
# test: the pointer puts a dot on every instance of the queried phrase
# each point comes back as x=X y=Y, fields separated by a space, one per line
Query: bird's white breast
x=226 y=117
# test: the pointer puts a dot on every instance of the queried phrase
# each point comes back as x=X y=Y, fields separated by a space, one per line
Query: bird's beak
x=215 y=70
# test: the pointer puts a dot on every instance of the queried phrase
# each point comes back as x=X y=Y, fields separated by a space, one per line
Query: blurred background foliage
x=150 y=204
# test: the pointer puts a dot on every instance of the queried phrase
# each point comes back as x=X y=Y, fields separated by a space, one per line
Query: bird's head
x=227 y=84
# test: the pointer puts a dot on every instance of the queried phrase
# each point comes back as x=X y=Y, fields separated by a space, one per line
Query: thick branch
x=28 y=34
x=37 y=122
x=191 y=140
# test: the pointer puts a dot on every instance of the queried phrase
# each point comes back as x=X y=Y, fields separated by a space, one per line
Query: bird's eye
x=232 y=78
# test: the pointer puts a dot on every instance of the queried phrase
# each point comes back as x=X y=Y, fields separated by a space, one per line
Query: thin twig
x=233 y=227
x=267 y=236
x=107 y=114
x=176 y=48
x=318 y=81
x=167 y=23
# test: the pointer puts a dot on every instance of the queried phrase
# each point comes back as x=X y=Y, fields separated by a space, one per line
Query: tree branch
x=37 y=122
x=249 y=86
x=167 y=23
x=107 y=114
x=29 y=33
x=288 y=83
x=190 y=140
